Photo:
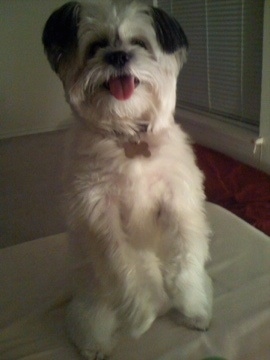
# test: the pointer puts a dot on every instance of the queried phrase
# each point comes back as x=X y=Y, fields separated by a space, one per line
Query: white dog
x=136 y=206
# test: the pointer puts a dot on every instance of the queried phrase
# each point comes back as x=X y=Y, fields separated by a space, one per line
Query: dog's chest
x=136 y=177
x=141 y=205
x=142 y=172
x=144 y=189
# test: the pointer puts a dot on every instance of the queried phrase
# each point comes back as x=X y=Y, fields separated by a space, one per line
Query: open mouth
x=122 y=87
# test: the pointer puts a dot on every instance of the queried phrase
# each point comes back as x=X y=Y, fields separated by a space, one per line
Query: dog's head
x=118 y=63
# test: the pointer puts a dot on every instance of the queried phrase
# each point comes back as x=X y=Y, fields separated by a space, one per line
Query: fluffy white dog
x=136 y=206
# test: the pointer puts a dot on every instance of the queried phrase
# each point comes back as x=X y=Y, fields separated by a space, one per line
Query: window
x=221 y=87
x=223 y=72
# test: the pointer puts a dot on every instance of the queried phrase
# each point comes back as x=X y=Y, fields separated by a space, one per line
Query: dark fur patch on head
x=60 y=33
x=170 y=35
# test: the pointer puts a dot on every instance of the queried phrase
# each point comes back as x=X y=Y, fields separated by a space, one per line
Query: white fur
x=137 y=226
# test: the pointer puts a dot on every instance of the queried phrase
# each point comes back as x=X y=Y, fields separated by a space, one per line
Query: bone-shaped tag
x=133 y=149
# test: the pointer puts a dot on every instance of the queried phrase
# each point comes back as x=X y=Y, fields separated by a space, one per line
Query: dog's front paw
x=138 y=316
x=199 y=317
x=201 y=323
x=142 y=323
x=92 y=354
x=140 y=310
x=196 y=322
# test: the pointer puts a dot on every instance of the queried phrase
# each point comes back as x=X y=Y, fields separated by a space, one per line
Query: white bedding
x=34 y=282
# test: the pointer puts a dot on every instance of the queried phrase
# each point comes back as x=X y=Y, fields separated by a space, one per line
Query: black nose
x=117 y=58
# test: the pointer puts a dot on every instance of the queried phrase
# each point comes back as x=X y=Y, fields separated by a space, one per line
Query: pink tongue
x=122 y=87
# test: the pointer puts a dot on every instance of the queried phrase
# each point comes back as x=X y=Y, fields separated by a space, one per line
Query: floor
x=30 y=187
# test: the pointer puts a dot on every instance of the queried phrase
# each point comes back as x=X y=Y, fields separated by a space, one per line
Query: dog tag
x=133 y=149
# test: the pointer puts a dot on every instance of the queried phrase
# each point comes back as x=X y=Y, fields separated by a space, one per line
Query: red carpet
x=243 y=190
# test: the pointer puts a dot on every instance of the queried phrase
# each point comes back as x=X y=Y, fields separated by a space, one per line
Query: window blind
x=223 y=72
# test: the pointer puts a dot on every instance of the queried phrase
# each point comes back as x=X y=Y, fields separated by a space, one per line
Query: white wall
x=31 y=95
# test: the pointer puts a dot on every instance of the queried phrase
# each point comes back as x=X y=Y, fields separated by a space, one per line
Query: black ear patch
x=170 y=35
x=60 y=33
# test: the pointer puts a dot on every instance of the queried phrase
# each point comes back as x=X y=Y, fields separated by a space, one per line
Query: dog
x=136 y=203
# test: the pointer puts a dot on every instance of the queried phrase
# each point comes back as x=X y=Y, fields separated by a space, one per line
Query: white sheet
x=34 y=280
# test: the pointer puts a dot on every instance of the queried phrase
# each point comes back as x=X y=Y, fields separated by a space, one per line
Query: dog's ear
x=60 y=33
x=170 y=35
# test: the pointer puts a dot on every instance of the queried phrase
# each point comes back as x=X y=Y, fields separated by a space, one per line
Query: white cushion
x=34 y=283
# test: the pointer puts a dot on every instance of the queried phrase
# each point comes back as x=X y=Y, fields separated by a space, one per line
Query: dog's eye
x=95 y=46
x=139 y=42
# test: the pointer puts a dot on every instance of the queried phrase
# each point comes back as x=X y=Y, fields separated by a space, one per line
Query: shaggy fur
x=136 y=202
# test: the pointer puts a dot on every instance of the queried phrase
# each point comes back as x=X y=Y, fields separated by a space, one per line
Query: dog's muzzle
x=122 y=86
